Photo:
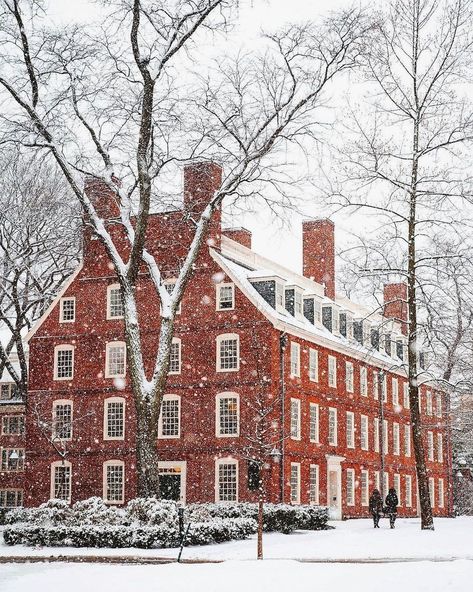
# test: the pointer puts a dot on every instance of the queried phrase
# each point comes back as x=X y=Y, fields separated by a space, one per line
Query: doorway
x=334 y=486
x=172 y=480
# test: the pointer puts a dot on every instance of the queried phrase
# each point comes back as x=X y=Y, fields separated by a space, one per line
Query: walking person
x=391 y=506
x=376 y=507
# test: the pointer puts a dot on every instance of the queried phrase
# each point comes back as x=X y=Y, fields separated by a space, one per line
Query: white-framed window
x=13 y=425
x=61 y=479
x=430 y=445
x=295 y=359
x=384 y=388
x=428 y=403
x=441 y=494
x=363 y=381
x=313 y=365
x=13 y=460
x=332 y=426
x=438 y=398
x=385 y=436
x=377 y=482
x=115 y=359
x=295 y=419
x=67 y=310
x=114 y=418
x=432 y=491
x=364 y=436
x=350 y=487
x=395 y=391
x=8 y=391
x=226 y=476
x=396 y=439
x=350 y=424
x=407 y=440
x=313 y=422
x=62 y=419
x=175 y=356
x=298 y=304
x=365 y=496
x=114 y=302
x=295 y=483
x=228 y=352
x=11 y=498
x=439 y=447
x=349 y=377
x=225 y=296
x=332 y=371
x=407 y=403
x=63 y=362
x=114 y=482
x=169 y=425
x=408 y=491
x=314 y=484
x=375 y=385
x=376 y=434
x=385 y=483
x=227 y=415
x=397 y=486
x=169 y=285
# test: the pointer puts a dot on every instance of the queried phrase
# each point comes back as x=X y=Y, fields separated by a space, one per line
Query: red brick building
x=249 y=333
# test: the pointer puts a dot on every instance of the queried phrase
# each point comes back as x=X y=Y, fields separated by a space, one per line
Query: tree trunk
x=260 y=521
x=146 y=451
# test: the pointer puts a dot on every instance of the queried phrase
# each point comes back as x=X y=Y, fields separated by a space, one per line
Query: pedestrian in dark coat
x=376 y=507
x=391 y=506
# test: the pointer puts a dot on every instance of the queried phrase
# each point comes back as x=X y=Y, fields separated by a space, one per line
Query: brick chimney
x=395 y=303
x=318 y=253
x=239 y=235
x=201 y=181
x=104 y=199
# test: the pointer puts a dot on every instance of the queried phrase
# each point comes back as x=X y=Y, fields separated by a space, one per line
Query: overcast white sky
x=269 y=239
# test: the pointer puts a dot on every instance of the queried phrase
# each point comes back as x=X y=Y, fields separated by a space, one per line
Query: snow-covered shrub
x=95 y=511
x=153 y=511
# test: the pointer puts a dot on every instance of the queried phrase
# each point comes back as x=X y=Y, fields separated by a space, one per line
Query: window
x=439 y=404
x=407 y=440
x=396 y=439
x=375 y=385
x=169 y=419
x=349 y=377
x=114 y=481
x=408 y=491
x=350 y=487
x=295 y=483
x=430 y=445
x=364 y=488
x=385 y=483
x=432 y=491
x=439 y=448
x=253 y=475
x=332 y=371
x=175 y=356
x=13 y=425
x=13 y=459
x=114 y=418
x=67 y=310
x=384 y=388
x=227 y=480
x=11 y=498
x=225 y=297
x=385 y=436
x=441 y=496
x=295 y=419
x=8 y=390
x=295 y=359
x=62 y=420
x=395 y=392
x=63 y=362
x=169 y=285
x=332 y=426
x=363 y=382
x=115 y=359
x=350 y=430
x=397 y=486
x=298 y=303
x=61 y=480
x=313 y=422
x=228 y=353
x=114 y=302
x=407 y=402
x=376 y=434
x=364 y=433
x=313 y=365
x=314 y=484
x=228 y=414
x=428 y=403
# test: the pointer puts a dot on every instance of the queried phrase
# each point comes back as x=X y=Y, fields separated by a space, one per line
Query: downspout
x=282 y=391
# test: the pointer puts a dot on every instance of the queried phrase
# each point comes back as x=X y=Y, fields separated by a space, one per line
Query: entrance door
x=333 y=493
x=172 y=480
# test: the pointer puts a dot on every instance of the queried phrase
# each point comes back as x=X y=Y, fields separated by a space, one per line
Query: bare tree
x=121 y=102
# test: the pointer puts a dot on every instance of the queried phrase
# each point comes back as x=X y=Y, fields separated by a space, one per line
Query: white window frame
x=430 y=446
x=385 y=483
x=295 y=433
x=6 y=429
x=407 y=402
x=178 y=342
x=439 y=447
x=364 y=484
x=108 y=346
x=350 y=487
x=225 y=461
x=396 y=439
x=395 y=391
x=384 y=388
x=350 y=429
x=56 y=403
x=349 y=377
x=105 y=417
x=397 y=486
x=408 y=490
x=375 y=385
x=60 y=463
x=161 y=435
x=295 y=361
x=113 y=463
x=407 y=440
x=314 y=408
x=441 y=493
x=438 y=411
x=57 y=349
x=295 y=499
x=314 y=485
x=224 y=337
x=432 y=491
x=20 y=452
x=313 y=365
x=376 y=431
x=363 y=381
x=218 y=289
x=109 y=317
x=364 y=433
x=332 y=411
x=19 y=496
x=218 y=398
x=428 y=403
x=332 y=371
x=61 y=309
x=385 y=436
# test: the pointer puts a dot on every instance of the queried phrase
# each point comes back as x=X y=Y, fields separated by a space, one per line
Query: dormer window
x=330 y=318
x=271 y=288
x=279 y=295
x=346 y=324
x=312 y=309
x=298 y=303
x=388 y=344
x=293 y=301
x=358 y=332
x=375 y=338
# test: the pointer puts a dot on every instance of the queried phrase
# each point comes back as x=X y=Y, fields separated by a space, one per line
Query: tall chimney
x=318 y=253
x=239 y=235
x=201 y=181
x=395 y=303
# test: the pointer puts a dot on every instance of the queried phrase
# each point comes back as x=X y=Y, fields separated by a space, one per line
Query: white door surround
x=334 y=486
